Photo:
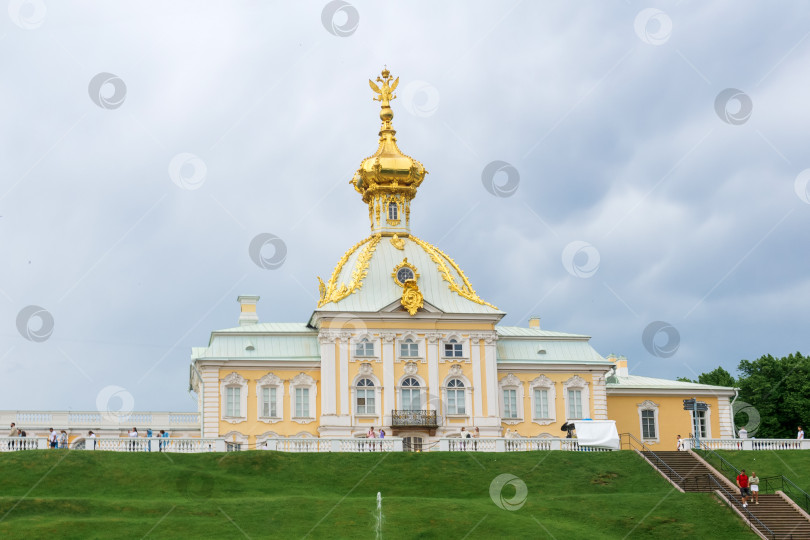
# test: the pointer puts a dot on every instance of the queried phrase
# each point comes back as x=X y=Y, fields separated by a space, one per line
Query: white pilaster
x=389 y=384
x=343 y=352
x=491 y=382
x=478 y=388
x=431 y=354
x=328 y=374
x=599 y=397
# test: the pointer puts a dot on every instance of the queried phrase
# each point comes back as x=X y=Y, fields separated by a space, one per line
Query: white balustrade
x=13 y=444
x=100 y=420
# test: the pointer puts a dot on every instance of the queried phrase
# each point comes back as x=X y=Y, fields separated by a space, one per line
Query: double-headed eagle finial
x=386 y=93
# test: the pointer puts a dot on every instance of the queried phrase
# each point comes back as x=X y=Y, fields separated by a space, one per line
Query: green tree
x=718 y=377
x=779 y=390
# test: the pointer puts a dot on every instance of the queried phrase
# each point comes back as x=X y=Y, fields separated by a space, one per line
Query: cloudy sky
x=649 y=174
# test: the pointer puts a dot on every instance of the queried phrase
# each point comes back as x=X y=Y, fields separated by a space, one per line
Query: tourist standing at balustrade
x=91 y=435
x=52 y=438
x=132 y=436
x=800 y=435
x=63 y=439
x=13 y=433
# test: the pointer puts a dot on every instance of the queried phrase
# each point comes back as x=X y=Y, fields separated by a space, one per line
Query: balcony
x=414 y=419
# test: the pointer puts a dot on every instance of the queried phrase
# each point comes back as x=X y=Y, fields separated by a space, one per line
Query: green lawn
x=77 y=494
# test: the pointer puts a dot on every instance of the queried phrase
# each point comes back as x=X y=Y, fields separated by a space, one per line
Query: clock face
x=404 y=274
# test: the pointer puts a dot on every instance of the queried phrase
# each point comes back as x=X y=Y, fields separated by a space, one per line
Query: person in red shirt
x=742 y=483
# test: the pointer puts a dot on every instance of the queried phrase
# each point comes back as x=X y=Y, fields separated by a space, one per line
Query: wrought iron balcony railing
x=404 y=418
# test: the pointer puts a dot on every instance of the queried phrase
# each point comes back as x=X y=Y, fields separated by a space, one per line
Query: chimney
x=247 y=311
x=534 y=322
x=621 y=366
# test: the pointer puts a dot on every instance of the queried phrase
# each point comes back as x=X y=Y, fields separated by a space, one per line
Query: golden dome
x=388 y=170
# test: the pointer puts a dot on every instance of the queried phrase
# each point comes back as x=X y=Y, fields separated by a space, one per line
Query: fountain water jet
x=379 y=517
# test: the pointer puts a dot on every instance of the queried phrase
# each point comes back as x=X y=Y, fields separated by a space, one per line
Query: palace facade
x=400 y=340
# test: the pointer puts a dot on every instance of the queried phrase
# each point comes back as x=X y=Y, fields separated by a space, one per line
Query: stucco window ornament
x=270 y=399
x=411 y=368
x=233 y=395
x=511 y=399
x=543 y=394
x=366 y=369
x=303 y=392
x=648 y=421
x=456 y=370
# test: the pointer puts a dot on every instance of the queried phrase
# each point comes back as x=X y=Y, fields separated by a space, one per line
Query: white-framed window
x=543 y=394
x=456 y=401
x=453 y=348
x=510 y=403
x=577 y=398
x=302 y=403
x=648 y=421
x=233 y=392
x=648 y=424
x=393 y=211
x=408 y=348
x=574 y=404
x=511 y=399
x=365 y=395
x=364 y=347
x=540 y=403
x=303 y=392
x=270 y=398
x=233 y=401
x=410 y=393
x=702 y=423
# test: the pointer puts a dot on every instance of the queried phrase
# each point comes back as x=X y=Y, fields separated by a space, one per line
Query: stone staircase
x=773 y=517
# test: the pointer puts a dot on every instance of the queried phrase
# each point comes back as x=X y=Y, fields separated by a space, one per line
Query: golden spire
x=388 y=179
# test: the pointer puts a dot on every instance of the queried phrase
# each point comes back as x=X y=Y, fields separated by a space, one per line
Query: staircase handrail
x=805 y=498
x=802 y=496
x=751 y=517
x=723 y=461
x=645 y=448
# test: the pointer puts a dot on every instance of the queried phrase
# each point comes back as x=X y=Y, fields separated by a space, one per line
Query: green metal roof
x=282 y=341
x=636 y=381
x=520 y=331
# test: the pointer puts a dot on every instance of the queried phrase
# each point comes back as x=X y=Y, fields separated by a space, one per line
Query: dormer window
x=364 y=348
x=393 y=211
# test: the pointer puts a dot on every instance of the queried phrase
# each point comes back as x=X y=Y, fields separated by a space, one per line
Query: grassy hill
x=78 y=494
x=795 y=464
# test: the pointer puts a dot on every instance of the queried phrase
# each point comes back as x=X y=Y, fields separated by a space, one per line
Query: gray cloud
x=616 y=141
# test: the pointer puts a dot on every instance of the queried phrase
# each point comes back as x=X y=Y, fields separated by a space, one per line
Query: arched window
x=365 y=396
x=455 y=397
x=411 y=400
x=408 y=348
x=364 y=348
x=393 y=211
x=453 y=349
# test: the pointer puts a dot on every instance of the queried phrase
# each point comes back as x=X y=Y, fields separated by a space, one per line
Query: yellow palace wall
x=672 y=419
x=285 y=427
x=527 y=428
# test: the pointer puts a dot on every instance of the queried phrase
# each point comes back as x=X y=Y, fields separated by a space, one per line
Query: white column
x=344 y=372
x=491 y=363
x=388 y=381
x=478 y=388
x=328 y=374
